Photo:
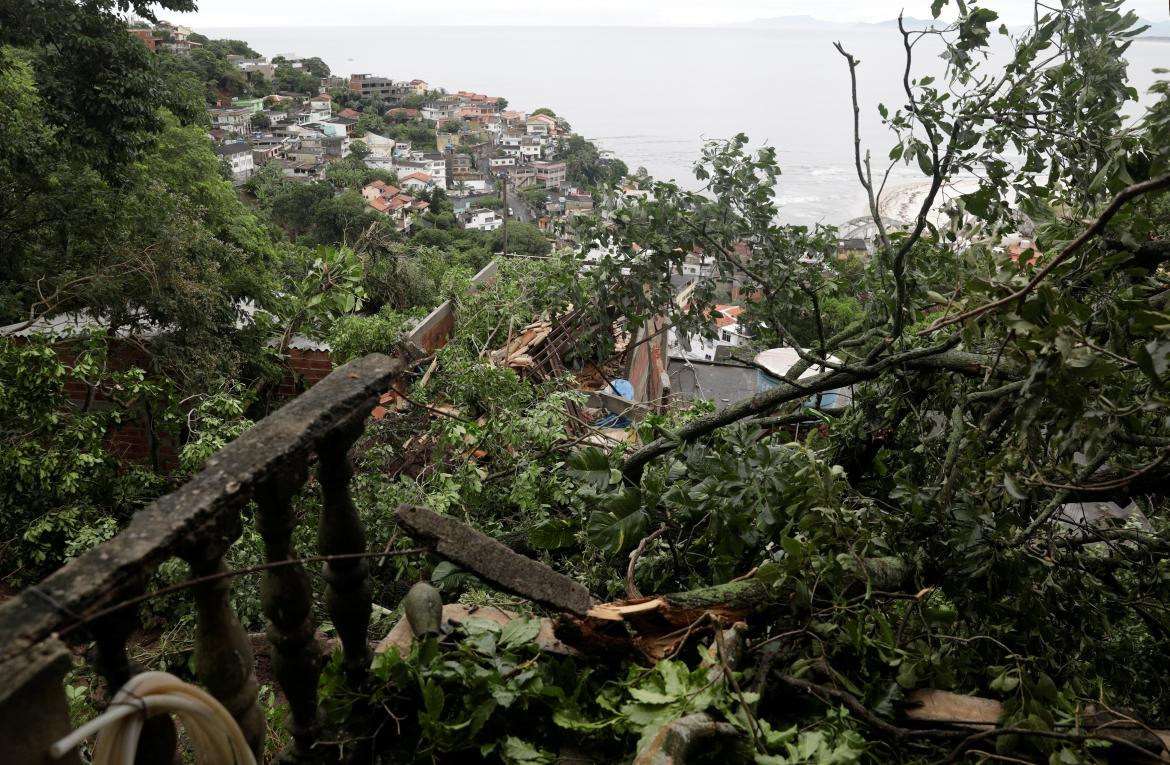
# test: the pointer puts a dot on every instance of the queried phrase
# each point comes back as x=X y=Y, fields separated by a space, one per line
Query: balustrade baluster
x=34 y=711
x=347 y=592
x=198 y=523
x=287 y=595
x=156 y=744
x=223 y=650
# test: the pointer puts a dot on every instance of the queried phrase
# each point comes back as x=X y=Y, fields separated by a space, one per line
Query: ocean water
x=653 y=95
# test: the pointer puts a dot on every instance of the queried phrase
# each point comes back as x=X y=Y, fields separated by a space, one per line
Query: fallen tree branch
x=994 y=733
x=494 y=562
x=940 y=358
x=863 y=713
x=656 y=627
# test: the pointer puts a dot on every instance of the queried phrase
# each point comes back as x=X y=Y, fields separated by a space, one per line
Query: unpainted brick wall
x=305 y=369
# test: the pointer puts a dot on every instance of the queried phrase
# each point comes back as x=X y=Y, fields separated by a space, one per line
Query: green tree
x=523 y=238
x=103 y=91
x=288 y=78
x=315 y=66
x=585 y=167
x=225 y=48
x=341 y=219
x=64 y=491
x=414 y=101
x=990 y=397
x=369 y=122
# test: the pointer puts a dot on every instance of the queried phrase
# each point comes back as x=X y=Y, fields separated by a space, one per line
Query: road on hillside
x=520 y=208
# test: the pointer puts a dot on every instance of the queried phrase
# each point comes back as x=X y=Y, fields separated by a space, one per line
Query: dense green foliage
x=114 y=214
x=585 y=167
x=921 y=538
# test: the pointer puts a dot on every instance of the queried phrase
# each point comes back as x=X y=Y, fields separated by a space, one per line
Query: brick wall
x=130 y=441
x=305 y=369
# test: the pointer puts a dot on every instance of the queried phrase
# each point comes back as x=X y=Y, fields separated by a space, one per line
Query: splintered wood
x=518 y=354
x=658 y=627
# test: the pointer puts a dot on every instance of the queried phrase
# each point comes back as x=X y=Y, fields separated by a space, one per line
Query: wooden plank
x=493 y=561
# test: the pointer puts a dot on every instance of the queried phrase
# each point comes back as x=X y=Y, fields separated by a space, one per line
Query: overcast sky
x=268 y=13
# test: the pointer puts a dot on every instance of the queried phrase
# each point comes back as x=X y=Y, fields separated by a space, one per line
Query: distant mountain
x=790 y=22
x=809 y=22
x=911 y=23
x=1157 y=29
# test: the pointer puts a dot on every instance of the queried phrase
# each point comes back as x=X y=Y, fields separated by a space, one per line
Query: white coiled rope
x=214 y=734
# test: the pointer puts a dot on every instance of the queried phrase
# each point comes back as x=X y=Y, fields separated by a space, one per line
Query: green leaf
x=925 y=164
x=571 y=719
x=591 y=466
x=1013 y=488
x=651 y=696
x=622 y=525
x=1005 y=680
x=553 y=534
x=521 y=752
x=519 y=631
x=936 y=7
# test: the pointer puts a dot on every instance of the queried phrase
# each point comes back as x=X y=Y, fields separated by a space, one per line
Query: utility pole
x=504 y=176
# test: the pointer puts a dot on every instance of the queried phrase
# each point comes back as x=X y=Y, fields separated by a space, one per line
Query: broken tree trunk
x=659 y=625
x=494 y=562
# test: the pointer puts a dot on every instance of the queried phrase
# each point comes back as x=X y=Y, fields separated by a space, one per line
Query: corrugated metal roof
x=69 y=324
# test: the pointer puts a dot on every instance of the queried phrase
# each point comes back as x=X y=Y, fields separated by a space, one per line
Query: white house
x=239 y=157
x=237 y=121
x=335 y=129
x=435 y=166
x=697 y=348
x=417 y=182
x=483 y=220
x=540 y=124
x=440 y=112
x=381 y=151
x=474 y=185
x=530 y=148
x=321 y=107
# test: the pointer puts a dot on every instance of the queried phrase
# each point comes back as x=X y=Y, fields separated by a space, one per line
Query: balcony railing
x=198 y=523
